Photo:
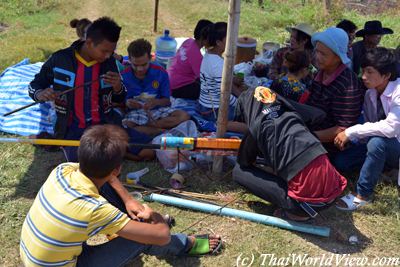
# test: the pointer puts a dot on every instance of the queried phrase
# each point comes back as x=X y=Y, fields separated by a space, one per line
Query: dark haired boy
x=148 y=93
x=382 y=126
x=84 y=62
x=76 y=203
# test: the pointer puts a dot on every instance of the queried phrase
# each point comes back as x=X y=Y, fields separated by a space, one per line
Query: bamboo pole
x=227 y=75
x=155 y=15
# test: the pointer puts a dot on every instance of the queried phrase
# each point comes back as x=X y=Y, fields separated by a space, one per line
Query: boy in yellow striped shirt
x=81 y=200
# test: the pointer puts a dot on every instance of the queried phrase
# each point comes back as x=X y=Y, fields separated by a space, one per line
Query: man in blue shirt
x=148 y=92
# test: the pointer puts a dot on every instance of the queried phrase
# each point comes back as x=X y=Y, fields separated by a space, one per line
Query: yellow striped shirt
x=66 y=212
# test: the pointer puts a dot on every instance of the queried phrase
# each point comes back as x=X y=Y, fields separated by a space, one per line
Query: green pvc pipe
x=251 y=216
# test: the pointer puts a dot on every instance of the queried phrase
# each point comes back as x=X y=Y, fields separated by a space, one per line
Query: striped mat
x=14 y=83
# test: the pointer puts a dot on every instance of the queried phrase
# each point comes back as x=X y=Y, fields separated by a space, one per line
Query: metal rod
x=59 y=94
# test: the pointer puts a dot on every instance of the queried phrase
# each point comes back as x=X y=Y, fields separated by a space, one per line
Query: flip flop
x=352 y=202
x=282 y=214
x=202 y=246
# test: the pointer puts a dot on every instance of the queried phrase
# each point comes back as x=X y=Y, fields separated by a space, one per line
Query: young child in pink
x=184 y=71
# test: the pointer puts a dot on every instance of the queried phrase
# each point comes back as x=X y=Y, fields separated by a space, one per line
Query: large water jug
x=165 y=49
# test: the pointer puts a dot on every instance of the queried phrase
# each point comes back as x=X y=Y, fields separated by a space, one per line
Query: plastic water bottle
x=165 y=49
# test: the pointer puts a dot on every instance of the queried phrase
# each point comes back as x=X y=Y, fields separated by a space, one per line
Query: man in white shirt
x=381 y=127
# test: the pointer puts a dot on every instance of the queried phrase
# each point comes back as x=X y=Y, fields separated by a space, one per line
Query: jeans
x=349 y=159
x=119 y=251
x=381 y=152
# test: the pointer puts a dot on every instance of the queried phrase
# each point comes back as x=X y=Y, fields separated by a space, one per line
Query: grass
x=36 y=32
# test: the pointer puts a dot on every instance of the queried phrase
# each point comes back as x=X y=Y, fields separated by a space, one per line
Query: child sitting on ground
x=80 y=200
x=290 y=85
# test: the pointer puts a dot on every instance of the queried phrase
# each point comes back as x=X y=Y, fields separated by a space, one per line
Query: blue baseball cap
x=335 y=39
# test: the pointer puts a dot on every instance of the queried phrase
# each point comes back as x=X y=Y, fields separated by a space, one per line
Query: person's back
x=184 y=71
x=211 y=77
x=81 y=200
x=300 y=170
x=66 y=212
x=69 y=208
x=294 y=146
x=185 y=66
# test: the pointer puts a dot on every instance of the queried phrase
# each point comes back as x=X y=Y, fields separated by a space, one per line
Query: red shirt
x=317 y=182
x=86 y=99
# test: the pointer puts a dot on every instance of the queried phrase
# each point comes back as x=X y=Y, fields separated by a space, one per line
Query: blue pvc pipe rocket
x=251 y=216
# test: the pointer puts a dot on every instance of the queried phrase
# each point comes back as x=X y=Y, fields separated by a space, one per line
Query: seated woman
x=300 y=40
x=211 y=73
x=290 y=85
x=381 y=129
x=184 y=71
x=302 y=180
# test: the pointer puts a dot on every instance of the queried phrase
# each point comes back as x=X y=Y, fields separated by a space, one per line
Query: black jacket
x=279 y=133
x=59 y=72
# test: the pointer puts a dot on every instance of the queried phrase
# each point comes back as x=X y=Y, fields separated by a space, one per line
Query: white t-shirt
x=210 y=79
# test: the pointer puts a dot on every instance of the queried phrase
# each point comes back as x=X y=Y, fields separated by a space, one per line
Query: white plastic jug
x=165 y=49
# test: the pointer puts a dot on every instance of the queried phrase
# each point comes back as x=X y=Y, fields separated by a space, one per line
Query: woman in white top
x=382 y=126
x=211 y=73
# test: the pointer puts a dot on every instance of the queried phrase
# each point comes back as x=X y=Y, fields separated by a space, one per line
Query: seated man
x=87 y=62
x=336 y=91
x=381 y=127
x=302 y=179
x=148 y=93
x=372 y=34
x=76 y=202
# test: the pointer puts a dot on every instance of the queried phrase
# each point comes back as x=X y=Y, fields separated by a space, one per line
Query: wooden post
x=155 y=15
x=227 y=76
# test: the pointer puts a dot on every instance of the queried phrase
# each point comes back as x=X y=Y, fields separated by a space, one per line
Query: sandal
x=201 y=246
x=352 y=202
x=282 y=214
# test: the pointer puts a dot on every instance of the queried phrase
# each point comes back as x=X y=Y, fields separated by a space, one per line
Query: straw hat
x=303 y=27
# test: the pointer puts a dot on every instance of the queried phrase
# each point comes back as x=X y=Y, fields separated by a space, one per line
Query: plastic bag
x=169 y=158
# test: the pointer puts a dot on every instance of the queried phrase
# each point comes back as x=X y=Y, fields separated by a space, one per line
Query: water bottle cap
x=166 y=32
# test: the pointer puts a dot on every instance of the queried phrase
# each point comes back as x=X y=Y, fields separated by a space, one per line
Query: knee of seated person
x=236 y=173
x=376 y=144
x=182 y=115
